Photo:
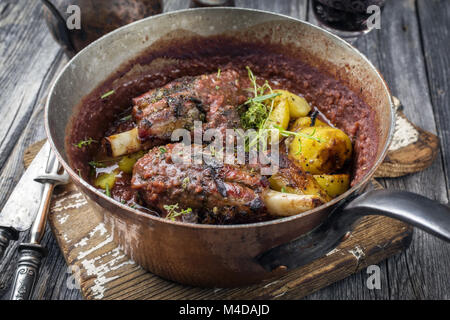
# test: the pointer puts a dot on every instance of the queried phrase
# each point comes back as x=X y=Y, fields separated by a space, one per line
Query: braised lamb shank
x=211 y=99
x=214 y=192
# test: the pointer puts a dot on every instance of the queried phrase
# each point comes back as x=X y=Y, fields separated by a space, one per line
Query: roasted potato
x=321 y=149
x=126 y=163
x=279 y=183
x=334 y=184
x=106 y=179
x=279 y=116
x=308 y=185
x=305 y=122
x=298 y=106
x=293 y=179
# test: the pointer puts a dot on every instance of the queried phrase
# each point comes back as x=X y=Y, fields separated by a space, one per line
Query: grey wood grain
x=172 y=5
x=293 y=8
x=422 y=271
x=26 y=54
x=29 y=62
x=435 y=31
x=405 y=52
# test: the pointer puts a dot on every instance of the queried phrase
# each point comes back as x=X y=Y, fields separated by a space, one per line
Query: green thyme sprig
x=97 y=164
x=258 y=111
x=107 y=94
x=83 y=143
x=259 y=106
x=126 y=118
x=173 y=211
x=286 y=133
x=185 y=182
x=107 y=191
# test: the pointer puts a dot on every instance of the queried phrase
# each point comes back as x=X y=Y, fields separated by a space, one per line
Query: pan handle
x=414 y=209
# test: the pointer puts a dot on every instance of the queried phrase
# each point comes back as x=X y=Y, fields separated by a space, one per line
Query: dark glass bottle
x=346 y=18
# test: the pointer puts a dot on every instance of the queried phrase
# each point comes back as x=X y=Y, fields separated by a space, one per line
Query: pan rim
x=366 y=178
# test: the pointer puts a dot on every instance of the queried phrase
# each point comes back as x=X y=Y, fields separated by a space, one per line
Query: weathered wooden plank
x=172 y=5
x=29 y=61
x=419 y=272
x=54 y=269
x=396 y=50
x=435 y=30
x=293 y=8
x=27 y=52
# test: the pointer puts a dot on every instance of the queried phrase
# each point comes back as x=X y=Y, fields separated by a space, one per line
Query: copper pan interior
x=319 y=48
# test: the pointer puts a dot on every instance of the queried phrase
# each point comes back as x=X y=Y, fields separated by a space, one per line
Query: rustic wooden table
x=410 y=49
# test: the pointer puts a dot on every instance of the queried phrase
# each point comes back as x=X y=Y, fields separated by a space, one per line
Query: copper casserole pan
x=236 y=255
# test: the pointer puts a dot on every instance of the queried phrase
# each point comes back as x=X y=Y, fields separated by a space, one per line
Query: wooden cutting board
x=103 y=271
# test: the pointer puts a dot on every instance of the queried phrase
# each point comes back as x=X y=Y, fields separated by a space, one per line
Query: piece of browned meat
x=211 y=99
x=217 y=193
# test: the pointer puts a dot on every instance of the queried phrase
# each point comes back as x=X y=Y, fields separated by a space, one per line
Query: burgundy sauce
x=338 y=105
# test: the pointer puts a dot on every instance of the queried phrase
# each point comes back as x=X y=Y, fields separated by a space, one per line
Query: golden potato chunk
x=279 y=116
x=305 y=122
x=282 y=184
x=298 y=106
x=126 y=164
x=106 y=180
x=293 y=179
x=334 y=184
x=321 y=150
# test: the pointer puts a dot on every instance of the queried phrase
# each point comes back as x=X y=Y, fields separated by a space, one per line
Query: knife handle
x=30 y=257
x=6 y=235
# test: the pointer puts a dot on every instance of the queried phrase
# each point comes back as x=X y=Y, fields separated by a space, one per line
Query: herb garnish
x=107 y=192
x=172 y=212
x=286 y=133
x=106 y=95
x=258 y=110
x=218 y=73
x=126 y=118
x=262 y=98
x=96 y=164
x=185 y=182
x=162 y=150
x=83 y=143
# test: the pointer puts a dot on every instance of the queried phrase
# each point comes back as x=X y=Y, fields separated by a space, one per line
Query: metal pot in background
x=98 y=17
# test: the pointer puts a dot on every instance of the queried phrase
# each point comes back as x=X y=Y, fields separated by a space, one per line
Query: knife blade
x=21 y=208
x=31 y=253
